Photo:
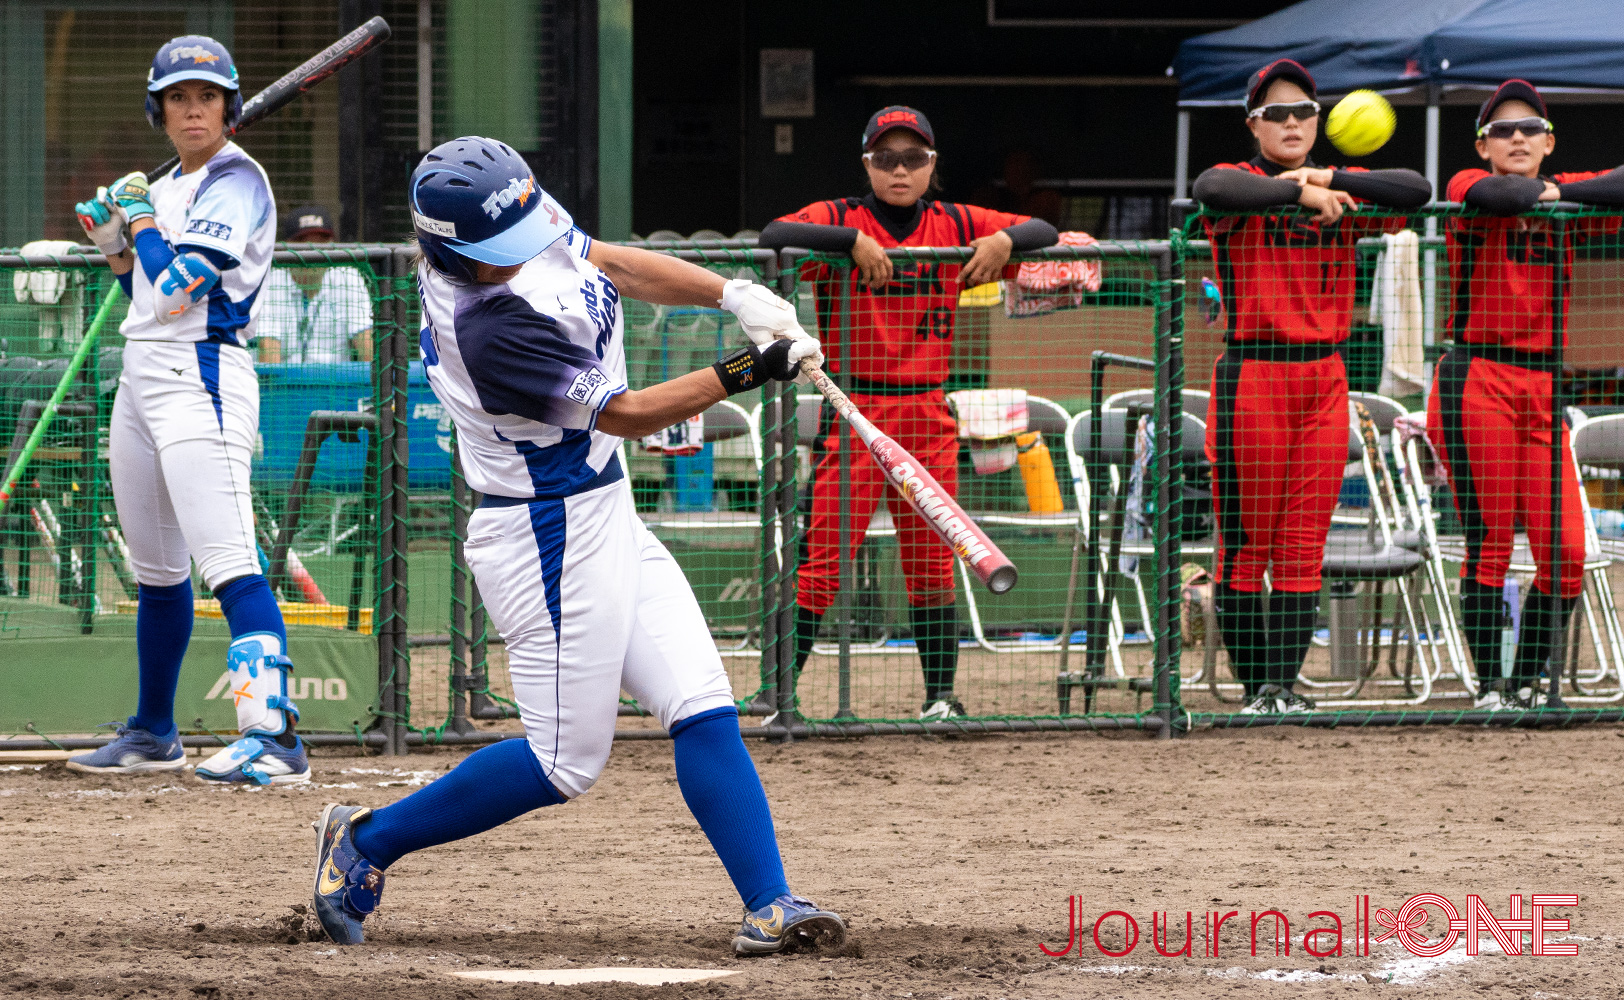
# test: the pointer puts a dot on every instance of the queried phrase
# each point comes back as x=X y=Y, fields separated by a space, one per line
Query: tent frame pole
x=1429 y=258
x=1181 y=161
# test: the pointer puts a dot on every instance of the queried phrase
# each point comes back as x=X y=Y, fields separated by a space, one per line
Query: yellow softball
x=1361 y=123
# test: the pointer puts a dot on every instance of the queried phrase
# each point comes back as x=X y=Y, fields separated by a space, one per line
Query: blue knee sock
x=491 y=786
x=163 y=627
x=249 y=606
x=719 y=782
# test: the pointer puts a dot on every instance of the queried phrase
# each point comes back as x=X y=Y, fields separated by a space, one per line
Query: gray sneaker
x=942 y=710
x=1292 y=703
x=1268 y=701
x=132 y=751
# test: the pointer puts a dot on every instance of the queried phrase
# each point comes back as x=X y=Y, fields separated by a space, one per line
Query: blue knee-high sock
x=491 y=786
x=719 y=782
x=249 y=606
x=163 y=627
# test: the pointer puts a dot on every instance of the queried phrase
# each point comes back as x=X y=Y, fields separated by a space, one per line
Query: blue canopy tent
x=1415 y=51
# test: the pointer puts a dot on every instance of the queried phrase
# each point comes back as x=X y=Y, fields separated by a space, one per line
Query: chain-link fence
x=1385 y=493
x=68 y=590
x=1053 y=403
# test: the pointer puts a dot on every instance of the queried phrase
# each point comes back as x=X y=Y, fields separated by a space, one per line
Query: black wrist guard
x=751 y=367
x=740 y=371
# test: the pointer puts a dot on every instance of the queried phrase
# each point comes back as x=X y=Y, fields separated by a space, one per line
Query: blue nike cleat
x=258 y=759
x=788 y=923
x=133 y=751
x=348 y=886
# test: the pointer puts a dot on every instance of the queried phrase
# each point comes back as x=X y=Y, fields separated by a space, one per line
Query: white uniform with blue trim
x=589 y=601
x=187 y=412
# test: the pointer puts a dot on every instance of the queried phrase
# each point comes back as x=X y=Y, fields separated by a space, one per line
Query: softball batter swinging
x=523 y=344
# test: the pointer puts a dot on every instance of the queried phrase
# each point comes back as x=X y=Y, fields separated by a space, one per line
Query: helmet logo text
x=516 y=189
x=196 y=53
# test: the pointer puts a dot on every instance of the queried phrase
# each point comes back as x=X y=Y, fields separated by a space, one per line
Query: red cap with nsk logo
x=897 y=116
x=1280 y=69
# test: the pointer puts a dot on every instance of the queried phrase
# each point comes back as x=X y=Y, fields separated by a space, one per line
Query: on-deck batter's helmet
x=475 y=199
x=192 y=57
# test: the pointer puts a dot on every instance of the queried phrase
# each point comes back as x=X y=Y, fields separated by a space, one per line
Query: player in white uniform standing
x=522 y=342
x=186 y=416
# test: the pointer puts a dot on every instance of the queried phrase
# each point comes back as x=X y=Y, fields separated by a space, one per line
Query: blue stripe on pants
x=208 y=368
x=547 y=520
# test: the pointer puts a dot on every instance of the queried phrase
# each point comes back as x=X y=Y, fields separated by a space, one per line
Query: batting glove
x=133 y=195
x=103 y=220
x=751 y=367
x=764 y=316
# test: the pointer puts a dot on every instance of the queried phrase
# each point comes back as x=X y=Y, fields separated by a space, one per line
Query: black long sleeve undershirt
x=778 y=234
x=1397 y=188
x=1608 y=189
x=1506 y=194
x=1033 y=234
x=1237 y=190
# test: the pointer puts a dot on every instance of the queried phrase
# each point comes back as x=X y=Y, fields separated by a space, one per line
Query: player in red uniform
x=1490 y=411
x=894 y=358
x=1277 y=432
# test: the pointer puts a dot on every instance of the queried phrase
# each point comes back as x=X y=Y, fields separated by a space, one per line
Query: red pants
x=1491 y=423
x=924 y=426
x=1277 y=439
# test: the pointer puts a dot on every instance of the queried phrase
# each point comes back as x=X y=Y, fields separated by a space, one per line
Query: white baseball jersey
x=524 y=369
x=225 y=206
x=588 y=601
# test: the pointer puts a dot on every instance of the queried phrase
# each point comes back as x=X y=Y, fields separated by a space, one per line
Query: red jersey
x=901 y=334
x=1286 y=278
x=1506 y=269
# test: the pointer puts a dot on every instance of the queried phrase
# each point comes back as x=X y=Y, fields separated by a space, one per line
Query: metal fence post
x=460 y=681
x=787 y=507
x=845 y=603
x=394 y=695
x=1169 y=482
x=383 y=521
x=1559 y=298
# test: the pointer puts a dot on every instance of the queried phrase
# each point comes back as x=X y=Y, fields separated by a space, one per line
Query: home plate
x=570 y=977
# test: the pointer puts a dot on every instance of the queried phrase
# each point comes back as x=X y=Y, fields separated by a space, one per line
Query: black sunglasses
x=888 y=160
x=1505 y=128
x=1278 y=113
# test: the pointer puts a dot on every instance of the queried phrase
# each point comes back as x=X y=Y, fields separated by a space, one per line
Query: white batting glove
x=763 y=316
x=103 y=221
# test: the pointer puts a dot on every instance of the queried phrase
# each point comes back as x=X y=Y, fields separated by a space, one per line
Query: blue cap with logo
x=193 y=57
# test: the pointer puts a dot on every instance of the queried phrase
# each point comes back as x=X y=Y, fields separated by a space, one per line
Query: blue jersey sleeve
x=230 y=204
x=521 y=363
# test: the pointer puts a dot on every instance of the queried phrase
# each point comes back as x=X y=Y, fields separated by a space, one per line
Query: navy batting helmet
x=192 y=57
x=475 y=199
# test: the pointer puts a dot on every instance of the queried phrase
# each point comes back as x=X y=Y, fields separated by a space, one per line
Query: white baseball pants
x=590 y=603
x=180 y=449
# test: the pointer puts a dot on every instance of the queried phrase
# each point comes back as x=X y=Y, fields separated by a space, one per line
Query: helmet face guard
x=192 y=57
x=476 y=200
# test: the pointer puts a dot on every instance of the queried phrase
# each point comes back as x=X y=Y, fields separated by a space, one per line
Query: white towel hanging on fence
x=1395 y=304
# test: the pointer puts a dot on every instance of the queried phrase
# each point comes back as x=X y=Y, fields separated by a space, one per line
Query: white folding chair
x=1195 y=400
x=1372 y=557
x=1597 y=446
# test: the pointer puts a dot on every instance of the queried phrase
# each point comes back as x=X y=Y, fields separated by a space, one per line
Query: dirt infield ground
x=951 y=859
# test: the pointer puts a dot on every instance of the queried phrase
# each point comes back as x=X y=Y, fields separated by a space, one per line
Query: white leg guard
x=259 y=684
